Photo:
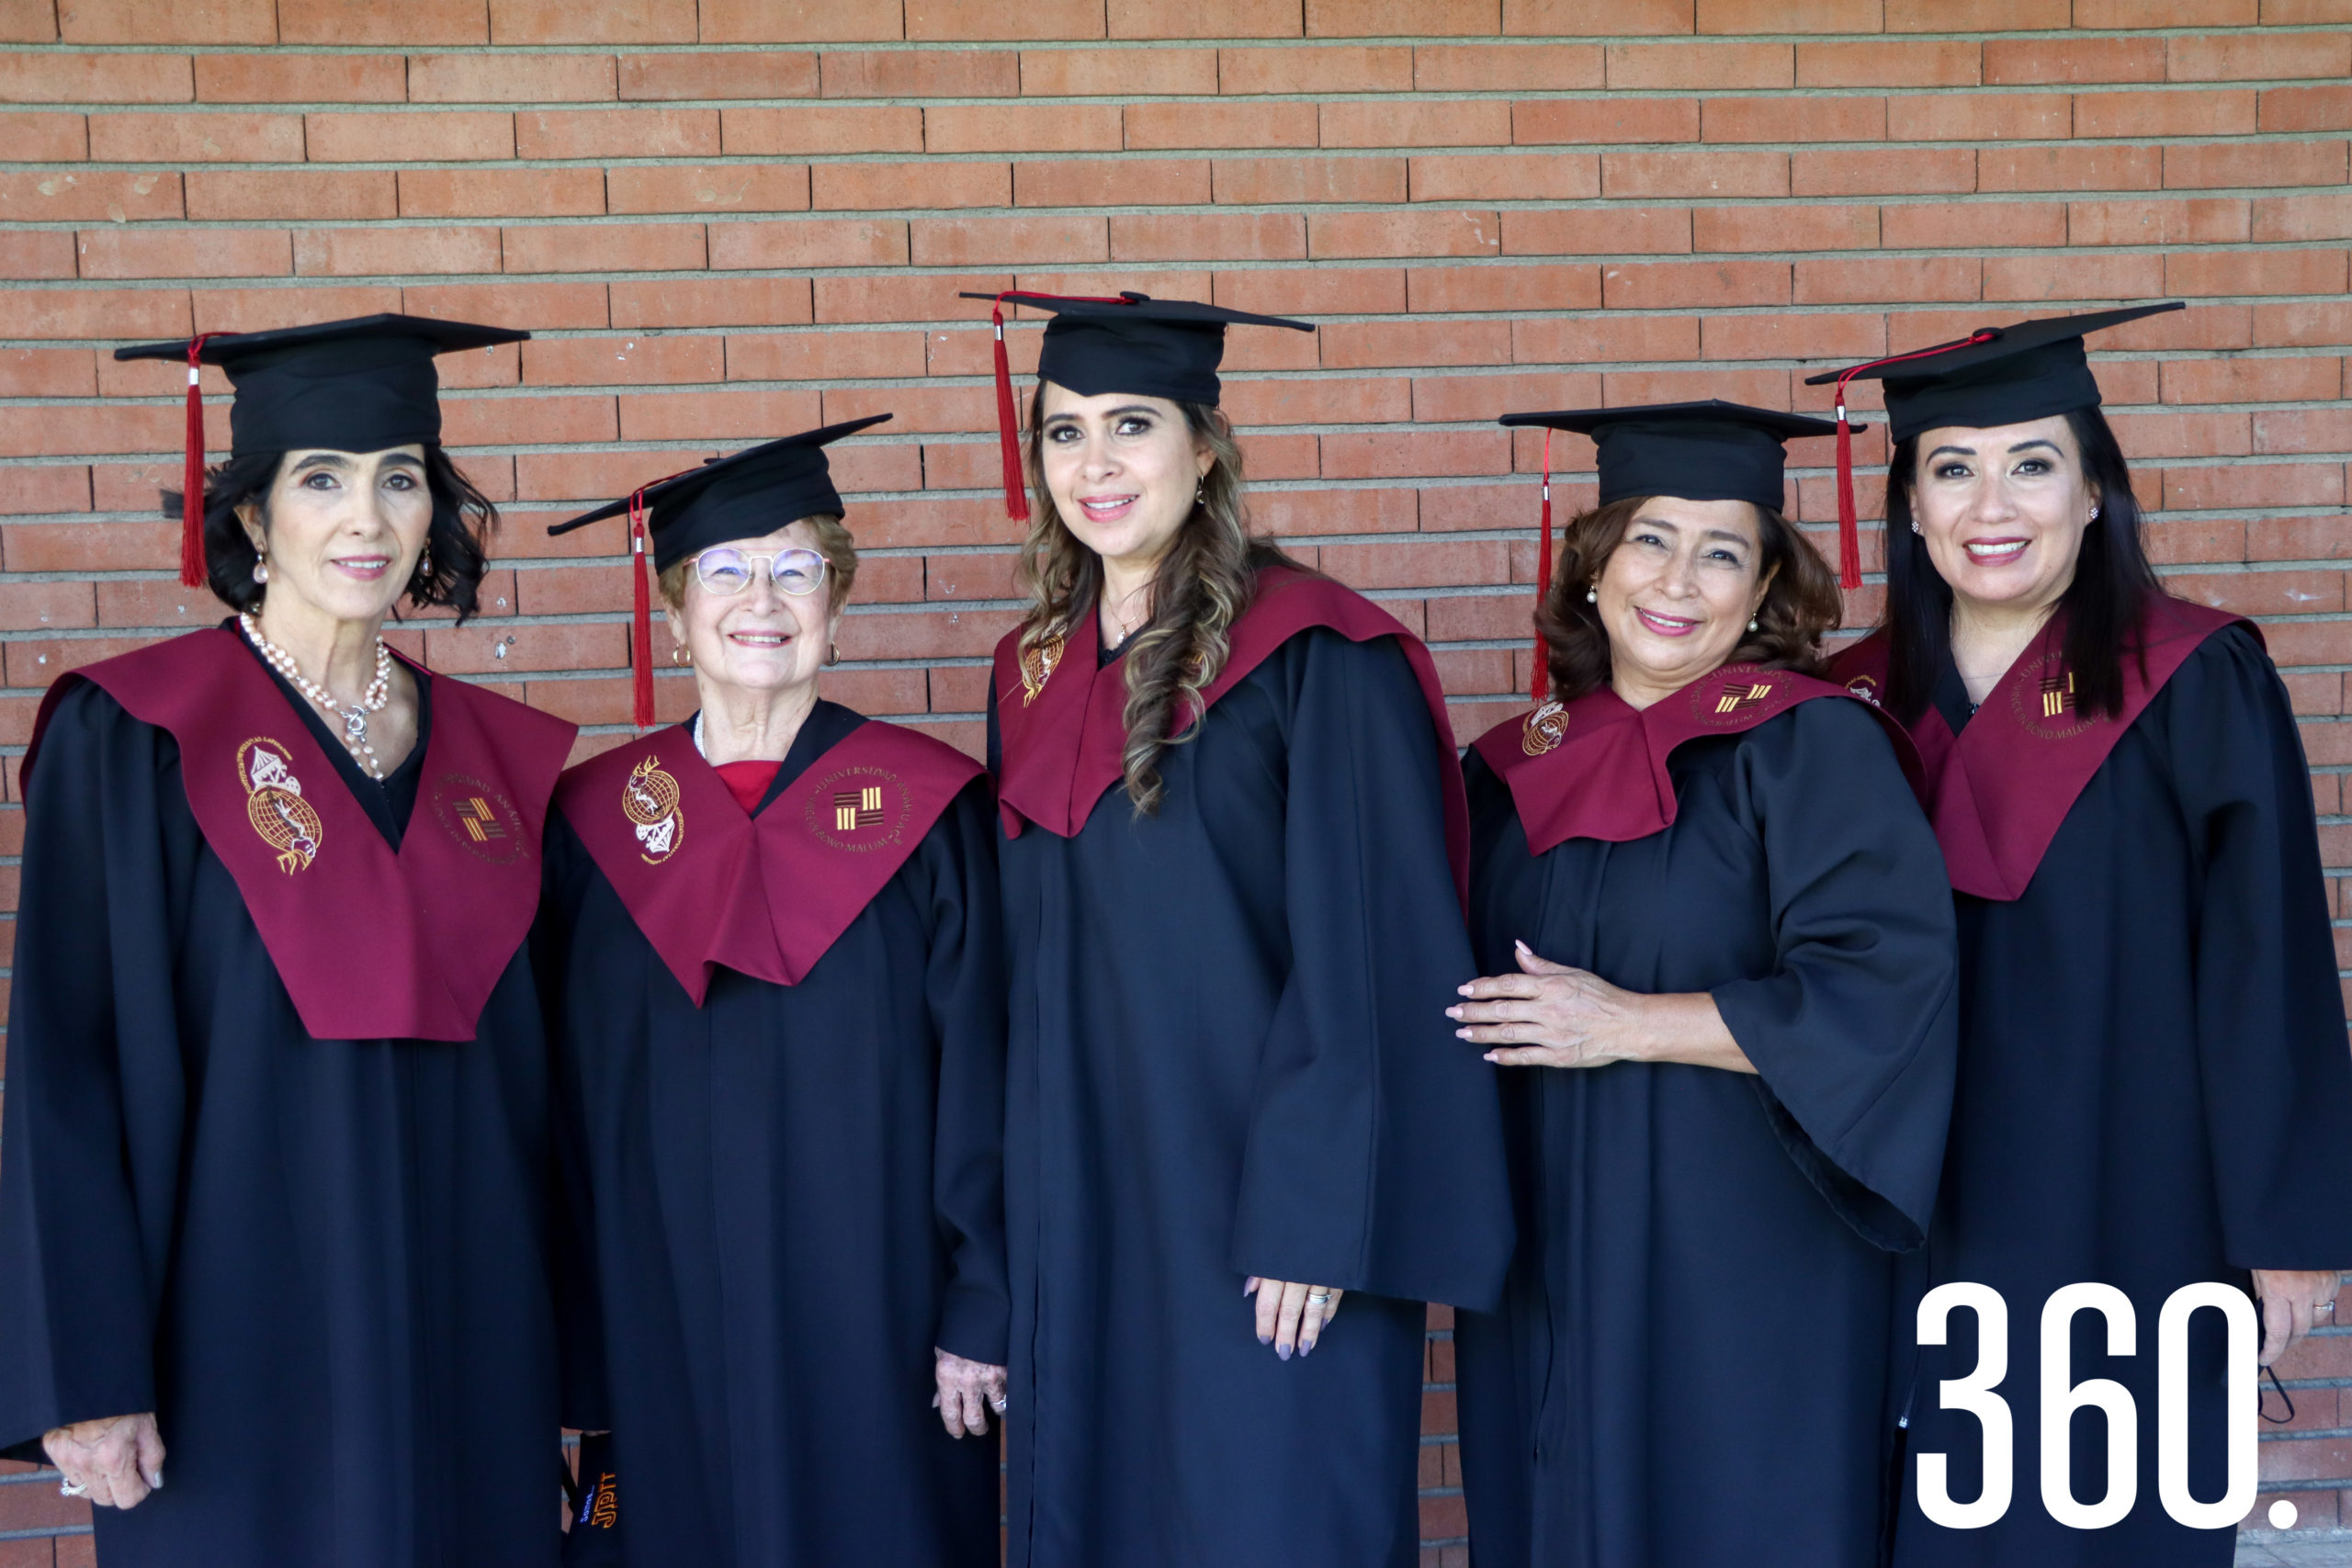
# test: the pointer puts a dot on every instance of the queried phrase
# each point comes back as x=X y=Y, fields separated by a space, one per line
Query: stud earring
x=1751 y=623
x=2093 y=514
x=1591 y=595
x=261 y=570
x=1914 y=527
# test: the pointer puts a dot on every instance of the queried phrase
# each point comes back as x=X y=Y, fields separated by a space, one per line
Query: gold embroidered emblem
x=483 y=822
x=607 y=1511
x=1742 y=694
x=2057 y=693
x=1544 y=728
x=855 y=808
x=858 y=809
x=274 y=804
x=1038 y=664
x=1864 y=687
x=649 y=801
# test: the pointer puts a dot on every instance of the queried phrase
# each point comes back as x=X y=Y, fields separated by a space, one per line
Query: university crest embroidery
x=650 y=800
x=274 y=804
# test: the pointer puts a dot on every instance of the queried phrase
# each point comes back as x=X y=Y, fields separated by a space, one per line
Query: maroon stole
x=766 y=895
x=1998 y=792
x=1061 y=738
x=370 y=943
x=1595 y=768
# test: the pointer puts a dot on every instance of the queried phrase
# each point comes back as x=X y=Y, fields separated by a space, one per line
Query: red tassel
x=1850 y=532
x=640 y=644
x=192 y=572
x=1542 y=684
x=1016 y=495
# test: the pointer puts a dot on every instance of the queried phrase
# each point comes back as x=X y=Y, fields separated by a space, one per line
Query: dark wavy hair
x=1799 y=606
x=1204 y=585
x=2112 y=582
x=457 y=538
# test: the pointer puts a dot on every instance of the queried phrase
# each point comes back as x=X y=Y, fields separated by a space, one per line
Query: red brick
x=2255 y=163
x=67 y=197
x=1792 y=120
x=981 y=242
x=1894 y=63
x=1315 y=291
x=510 y=78
x=243 y=309
x=802 y=21
x=41 y=430
x=1777 y=335
x=348 y=23
x=1225 y=236
x=2289 y=218
x=1888 y=171
x=488 y=421
x=1111 y=182
x=501 y=192
x=1430 y=454
x=927 y=299
x=616 y=133
x=339 y=194
x=47 y=373
x=1354 y=400
x=1126 y=73
x=1798 y=228
x=168 y=22
x=2149 y=436
x=197 y=138
x=1506 y=176
x=955 y=20
x=50 y=76
x=538 y=306
x=2239 y=57
x=379 y=252
x=798 y=130
x=557 y=21
x=809 y=241
x=1440 y=122
x=874 y=186
x=1685 y=67
x=46 y=138
x=750 y=415
x=2302 y=430
x=1504 y=288
x=824 y=356
x=623 y=361
x=1979 y=116
x=2296 y=13
x=28 y=253
x=2304 y=323
x=1306 y=512
x=2301 y=538
x=1599 y=339
x=1703 y=174
x=918 y=73
x=1596 y=121
x=201 y=252
x=1206 y=18
x=606 y=247
x=1788 y=15
x=1411 y=233
x=300 y=78
x=2206 y=327
x=1152 y=127
x=439 y=136
x=2096 y=276
x=2071 y=168
x=2306 y=108
x=1890 y=279
x=709 y=188
x=2286 y=380
x=1686 y=284
x=762 y=73
x=1339 y=68
x=1758 y=388
x=1507 y=67
x=1355 y=346
x=2191 y=221
x=2023 y=63
x=2255 y=272
x=1022 y=128
x=1603 y=18
x=2181 y=112
x=1973 y=225
x=1304 y=181
x=2238 y=485
x=43 y=490
x=1392 y=18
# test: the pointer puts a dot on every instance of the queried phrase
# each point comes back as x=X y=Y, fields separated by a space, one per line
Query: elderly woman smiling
x=1719 y=953
x=772 y=931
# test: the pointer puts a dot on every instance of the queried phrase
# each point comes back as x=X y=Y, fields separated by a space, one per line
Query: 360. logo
x=2061 y=1398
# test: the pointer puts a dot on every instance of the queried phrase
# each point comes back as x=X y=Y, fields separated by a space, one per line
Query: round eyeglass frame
x=774 y=559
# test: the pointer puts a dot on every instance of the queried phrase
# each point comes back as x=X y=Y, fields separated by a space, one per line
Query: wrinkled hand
x=967 y=1392
x=118 y=1460
x=1549 y=1015
x=1287 y=1319
x=2295 y=1301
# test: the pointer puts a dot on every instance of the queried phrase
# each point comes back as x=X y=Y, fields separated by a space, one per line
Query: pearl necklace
x=355 y=719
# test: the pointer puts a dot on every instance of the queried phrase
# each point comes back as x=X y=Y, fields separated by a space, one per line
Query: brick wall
x=733 y=219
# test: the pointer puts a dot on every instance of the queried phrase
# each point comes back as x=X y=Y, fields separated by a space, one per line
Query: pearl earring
x=261 y=570
x=1591 y=596
x=1751 y=623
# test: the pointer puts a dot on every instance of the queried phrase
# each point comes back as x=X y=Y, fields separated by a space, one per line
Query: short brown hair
x=833 y=543
x=1801 y=604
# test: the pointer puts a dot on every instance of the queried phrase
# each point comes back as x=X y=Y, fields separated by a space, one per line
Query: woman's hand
x=116 y=1461
x=2295 y=1301
x=967 y=1392
x=1551 y=1016
x=1292 y=1315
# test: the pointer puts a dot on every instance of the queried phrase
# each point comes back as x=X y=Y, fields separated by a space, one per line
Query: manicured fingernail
x=1453 y=1012
x=1462 y=1034
x=1519 y=945
x=1305 y=1347
x=1265 y=1339
x=1461 y=990
x=158 y=1483
x=1283 y=1352
x=1491 y=1056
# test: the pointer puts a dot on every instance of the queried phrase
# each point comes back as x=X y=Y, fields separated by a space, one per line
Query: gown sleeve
x=964 y=985
x=566 y=869
x=90 y=1152
x=1374 y=1159
x=2276 y=1078
x=1855 y=1033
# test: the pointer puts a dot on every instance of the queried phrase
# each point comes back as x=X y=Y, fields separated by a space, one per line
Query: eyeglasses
x=727 y=571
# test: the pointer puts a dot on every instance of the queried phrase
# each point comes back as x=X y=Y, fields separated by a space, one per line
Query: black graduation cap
x=359 y=385
x=1154 y=348
x=1995 y=376
x=743 y=496
x=1709 y=450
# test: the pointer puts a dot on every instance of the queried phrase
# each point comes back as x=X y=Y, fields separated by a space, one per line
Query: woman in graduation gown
x=2154 y=1087
x=1233 y=823
x=779 y=1011
x=1720 y=971
x=273 y=1187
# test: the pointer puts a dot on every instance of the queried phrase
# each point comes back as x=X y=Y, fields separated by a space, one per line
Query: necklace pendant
x=354 y=726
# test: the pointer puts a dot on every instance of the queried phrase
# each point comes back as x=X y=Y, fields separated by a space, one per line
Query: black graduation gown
x=1691 y=1370
x=323 y=1263
x=2153 y=1090
x=789 y=1196
x=1230 y=1057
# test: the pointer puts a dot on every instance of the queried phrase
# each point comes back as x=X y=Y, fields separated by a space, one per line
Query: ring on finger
x=69 y=1487
x=1317 y=1298
x=997 y=1404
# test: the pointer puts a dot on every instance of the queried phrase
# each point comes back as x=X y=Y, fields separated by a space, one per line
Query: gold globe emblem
x=649 y=801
